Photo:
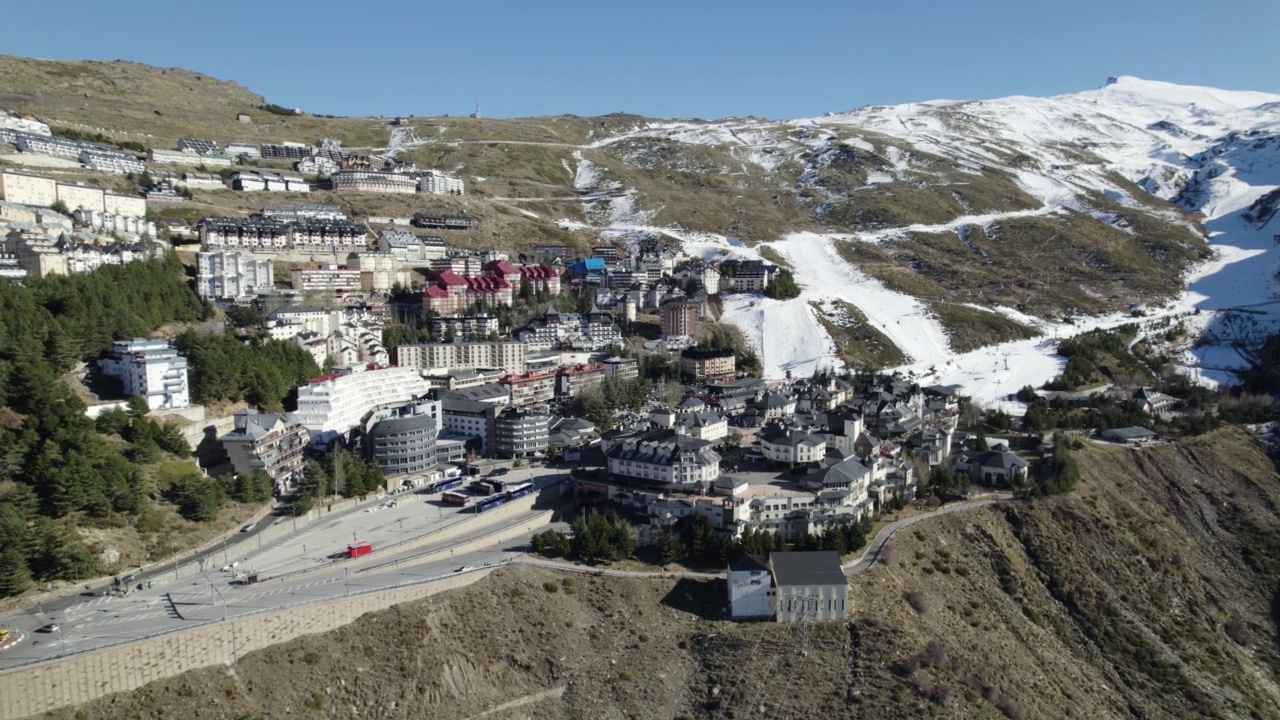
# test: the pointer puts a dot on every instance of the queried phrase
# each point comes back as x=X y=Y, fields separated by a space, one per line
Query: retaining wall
x=86 y=677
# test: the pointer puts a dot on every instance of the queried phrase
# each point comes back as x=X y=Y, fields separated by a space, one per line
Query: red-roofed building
x=543 y=278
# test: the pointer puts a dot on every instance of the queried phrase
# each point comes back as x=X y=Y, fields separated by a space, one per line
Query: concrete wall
x=92 y=675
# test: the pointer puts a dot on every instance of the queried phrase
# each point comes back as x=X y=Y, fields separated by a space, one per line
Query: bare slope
x=1146 y=593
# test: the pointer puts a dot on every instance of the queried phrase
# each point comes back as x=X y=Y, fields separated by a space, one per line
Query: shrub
x=550 y=587
x=1237 y=630
x=626 y=675
x=917 y=600
x=316 y=701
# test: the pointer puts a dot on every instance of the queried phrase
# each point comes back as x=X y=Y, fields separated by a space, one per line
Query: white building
x=325 y=279
x=791 y=446
x=510 y=356
x=152 y=369
x=809 y=586
x=664 y=456
x=332 y=405
x=750 y=589
x=253 y=181
x=437 y=183
x=373 y=181
x=230 y=275
x=110 y=161
x=239 y=149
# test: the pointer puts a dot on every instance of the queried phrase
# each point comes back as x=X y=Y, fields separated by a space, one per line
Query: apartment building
x=664 y=456
x=325 y=279
x=267 y=442
x=470 y=419
x=281 y=151
x=255 y=181
x=37 y=191
x=402 y=440
x=410 y=248
x=152 y=369
x=299 y=212
x=435 y=182
x=465 y=326
x=680 y=318
x=581 y=331
x=622 y=368
x=707 y=363
x=261 y=234
x=510 y=356
x=232 y=275
x=571 y=381
x=331 y=405
x=521 y=434
x=111 y=161
x=530 y=388
x=328 y=235
x=240 y=149
x=379 y=271
x=373 y=181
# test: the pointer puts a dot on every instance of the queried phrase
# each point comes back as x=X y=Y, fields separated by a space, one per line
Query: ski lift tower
x=477 y=114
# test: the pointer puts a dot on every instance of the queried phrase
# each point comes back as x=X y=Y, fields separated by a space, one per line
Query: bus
x=490 y=502
x=445 y=484
x=515 y=490
x=456 y=498
x=360 y=548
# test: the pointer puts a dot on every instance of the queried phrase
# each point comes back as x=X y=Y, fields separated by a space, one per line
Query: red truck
x=360 y=548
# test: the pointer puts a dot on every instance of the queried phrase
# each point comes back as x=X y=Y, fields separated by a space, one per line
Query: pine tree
x=15 y=576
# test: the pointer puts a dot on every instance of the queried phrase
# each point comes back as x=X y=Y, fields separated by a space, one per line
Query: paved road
x=93 y=621
x=876 y=549
x=586 y=569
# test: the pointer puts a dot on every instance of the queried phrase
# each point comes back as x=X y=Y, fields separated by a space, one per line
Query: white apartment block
x=325 y=279
x=112 y=162
x=374 y=181
x=509 y=356
x=38 y=191
x=152 y=369
x=239 y=149
x=332 y=405
x=303 y=211
x=269 y=182
x=437 y=183
x=230 y=275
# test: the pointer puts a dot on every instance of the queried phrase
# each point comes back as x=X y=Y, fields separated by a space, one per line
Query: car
x=249 y=527
x=500 y=471
x=50 y=628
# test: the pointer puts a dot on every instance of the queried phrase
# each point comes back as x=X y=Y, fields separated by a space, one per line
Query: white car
x=249 y=527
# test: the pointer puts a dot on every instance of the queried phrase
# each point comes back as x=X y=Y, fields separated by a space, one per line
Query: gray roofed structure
x=819 y=567
x=750 y=563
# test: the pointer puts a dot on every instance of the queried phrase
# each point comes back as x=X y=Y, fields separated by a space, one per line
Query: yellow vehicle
x=4 y=634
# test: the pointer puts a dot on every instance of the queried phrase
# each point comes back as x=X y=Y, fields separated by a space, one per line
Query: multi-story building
x=793 y=447
x=111 y=161
x=594 y=330
x=530 y=388
x=373 y=181
x=26 y=189
x=442 y=221
x=325 y=279
x=450 y=292
x=703 y=424
x=331 y=405
x=470 y=419
x=622 y=368
x=410 y=248
x=55 y=146
x=230 y=275
x=379 y=271
x=152 y=369
x=435 y=182
x=707 y=363
x=197 y=145
x=510 y=356
x=574 y=379
x=521 y=434
x=402 y=440
x=279 y=151
x=11 y=269
x=300 y=212
x=202 y=181
x=747 y=276
x=664 y=456
x=680 y=318
x=329 y=235
x=261 y=234
x=187 y=157
x=240 y=149
x=255 y=181
x=266 y=442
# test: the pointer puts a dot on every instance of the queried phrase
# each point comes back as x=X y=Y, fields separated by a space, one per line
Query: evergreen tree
x=15 y=576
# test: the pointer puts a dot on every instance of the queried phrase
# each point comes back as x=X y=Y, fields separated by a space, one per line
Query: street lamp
x=348 y=581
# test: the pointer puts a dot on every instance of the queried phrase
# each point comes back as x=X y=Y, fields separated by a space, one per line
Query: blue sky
x=661 y=58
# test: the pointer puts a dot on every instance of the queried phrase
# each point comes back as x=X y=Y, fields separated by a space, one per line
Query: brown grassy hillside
x=1147 y=593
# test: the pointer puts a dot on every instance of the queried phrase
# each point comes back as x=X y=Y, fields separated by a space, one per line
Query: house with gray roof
x=664 y=456
x=267 y=442
x=808 y=586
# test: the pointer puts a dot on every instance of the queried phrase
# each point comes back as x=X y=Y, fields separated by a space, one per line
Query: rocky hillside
x=1147 y=593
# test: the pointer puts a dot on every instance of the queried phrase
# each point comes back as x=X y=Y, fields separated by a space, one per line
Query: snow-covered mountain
x=1201 y=160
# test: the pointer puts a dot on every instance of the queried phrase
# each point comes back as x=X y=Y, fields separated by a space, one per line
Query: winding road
x=875 y=550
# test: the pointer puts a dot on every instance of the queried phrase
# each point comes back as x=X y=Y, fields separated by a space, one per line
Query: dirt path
x=553 y=693
x=876 y=548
